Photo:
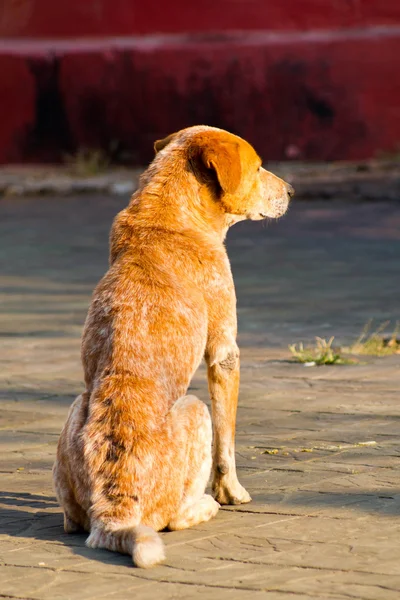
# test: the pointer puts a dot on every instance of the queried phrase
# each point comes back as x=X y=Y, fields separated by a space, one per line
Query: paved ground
x=318 y=448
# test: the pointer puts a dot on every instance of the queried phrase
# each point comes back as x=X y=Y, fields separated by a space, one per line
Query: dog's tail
x=141 y=542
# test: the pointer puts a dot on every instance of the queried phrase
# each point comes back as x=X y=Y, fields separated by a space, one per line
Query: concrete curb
x=60 y=181
x=372 y=180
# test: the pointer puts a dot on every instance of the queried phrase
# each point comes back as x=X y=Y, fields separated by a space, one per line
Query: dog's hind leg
x=192 y=416
x=75 y=518
x=64 y=476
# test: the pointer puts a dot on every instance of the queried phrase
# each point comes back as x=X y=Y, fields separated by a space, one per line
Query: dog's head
x=231 y=169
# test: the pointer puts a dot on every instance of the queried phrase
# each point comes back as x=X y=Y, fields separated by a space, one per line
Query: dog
x=135 y=454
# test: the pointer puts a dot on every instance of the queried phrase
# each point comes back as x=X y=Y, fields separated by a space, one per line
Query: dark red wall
x=309 y=79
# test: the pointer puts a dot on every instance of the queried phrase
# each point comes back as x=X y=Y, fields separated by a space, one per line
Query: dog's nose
x=290 y=190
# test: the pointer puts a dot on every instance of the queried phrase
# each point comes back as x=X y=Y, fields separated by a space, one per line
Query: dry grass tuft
x=377 y=343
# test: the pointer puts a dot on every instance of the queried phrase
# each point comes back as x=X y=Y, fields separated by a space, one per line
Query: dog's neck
x=173 y=197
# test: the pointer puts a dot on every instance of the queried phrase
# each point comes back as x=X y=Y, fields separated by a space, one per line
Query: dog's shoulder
x=121 y=234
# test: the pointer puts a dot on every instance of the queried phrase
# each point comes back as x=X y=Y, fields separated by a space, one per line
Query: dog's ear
x=223 y=158
x=160 y=144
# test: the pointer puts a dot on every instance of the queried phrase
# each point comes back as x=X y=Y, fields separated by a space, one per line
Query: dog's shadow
x=16 y=520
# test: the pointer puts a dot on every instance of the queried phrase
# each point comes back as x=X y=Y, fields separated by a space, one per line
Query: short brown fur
x=134 y=456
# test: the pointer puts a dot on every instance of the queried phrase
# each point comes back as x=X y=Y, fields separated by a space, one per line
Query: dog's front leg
x=223 y=383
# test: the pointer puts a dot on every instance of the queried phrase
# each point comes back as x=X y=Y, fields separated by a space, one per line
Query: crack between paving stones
x=380 y=586
x=212 y=568
x=251 y=561
x=349 y=383
x=332 y=454
x=294 y=515
x=364 y=494
x=318 y=596
x=285 y=470
x=347 y=595
x=57 y=570
x=32 y=433
x=16 y=597
x=265 y=512
x=310 y=543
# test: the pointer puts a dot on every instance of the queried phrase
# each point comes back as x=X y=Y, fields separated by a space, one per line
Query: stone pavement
x=318 y=448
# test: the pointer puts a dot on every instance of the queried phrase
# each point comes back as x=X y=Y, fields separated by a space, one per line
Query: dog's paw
x=230 y=492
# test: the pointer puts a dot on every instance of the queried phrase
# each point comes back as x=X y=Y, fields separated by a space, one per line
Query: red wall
x=307 y=79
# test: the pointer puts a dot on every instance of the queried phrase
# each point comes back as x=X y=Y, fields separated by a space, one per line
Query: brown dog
x=134 y=456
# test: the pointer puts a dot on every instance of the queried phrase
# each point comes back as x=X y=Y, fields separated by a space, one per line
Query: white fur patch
x=148 y=549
